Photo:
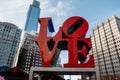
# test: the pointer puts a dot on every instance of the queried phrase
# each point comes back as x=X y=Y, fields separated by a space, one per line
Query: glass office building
x=32 y=17
x=9 y=43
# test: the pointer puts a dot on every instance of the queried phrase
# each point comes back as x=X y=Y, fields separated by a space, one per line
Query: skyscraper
x=29 y=55
x=106 y=49
x=9 y=43
x=32 y=17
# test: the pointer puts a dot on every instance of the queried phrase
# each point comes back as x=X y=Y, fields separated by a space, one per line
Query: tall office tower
x=29 y=53
x=9 y=43
x=32 y=17
x=106 y=48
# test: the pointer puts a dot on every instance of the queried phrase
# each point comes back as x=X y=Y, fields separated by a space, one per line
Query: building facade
x=29 y=55
x=9 y=43
x=106 y=49
x=32 y=17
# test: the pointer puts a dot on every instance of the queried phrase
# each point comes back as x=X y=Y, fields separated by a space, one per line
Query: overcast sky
x=94 y=11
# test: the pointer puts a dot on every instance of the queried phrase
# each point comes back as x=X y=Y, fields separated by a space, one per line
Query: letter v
x=47 y=50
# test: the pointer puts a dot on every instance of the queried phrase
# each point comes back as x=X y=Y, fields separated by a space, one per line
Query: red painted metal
x=73 y=31
x=15 y=70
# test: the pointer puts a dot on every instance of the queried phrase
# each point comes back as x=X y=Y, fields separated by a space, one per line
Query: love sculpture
x=69 y=37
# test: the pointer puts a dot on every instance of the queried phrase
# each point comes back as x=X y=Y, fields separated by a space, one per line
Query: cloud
x=14 y=11
x=60 y=4
x=2 y=19
x=52 y=10
x=58 y=10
